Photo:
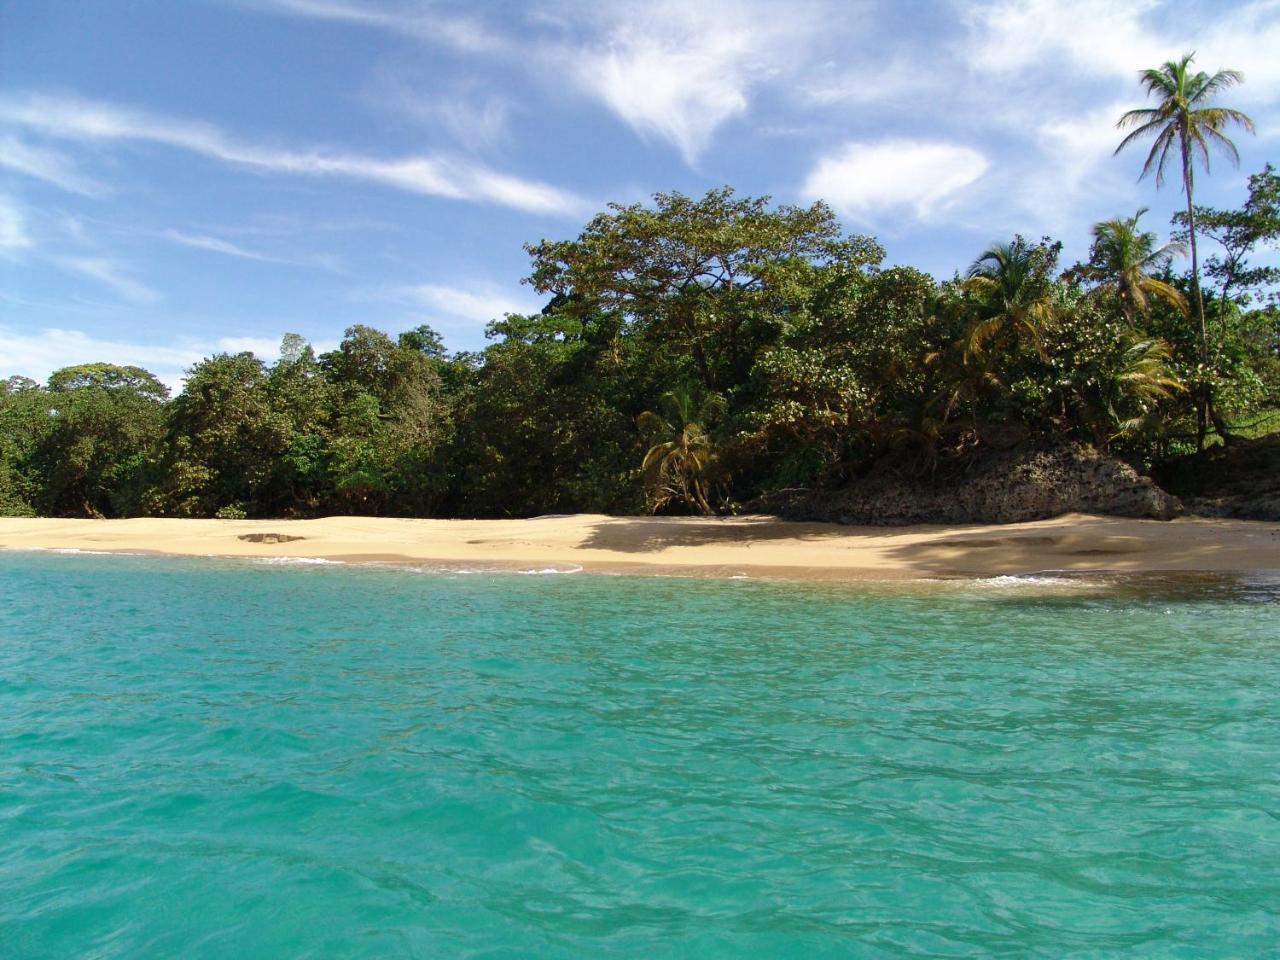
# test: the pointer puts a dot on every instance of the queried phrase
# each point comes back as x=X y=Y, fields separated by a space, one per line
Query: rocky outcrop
x=1007 y=486
x=1241 y=481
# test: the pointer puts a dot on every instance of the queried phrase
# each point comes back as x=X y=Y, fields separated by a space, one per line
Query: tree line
x=696 y=353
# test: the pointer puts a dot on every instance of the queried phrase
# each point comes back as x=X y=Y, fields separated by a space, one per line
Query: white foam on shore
x=304 y=561
x=1034 y=580
x=96 y=553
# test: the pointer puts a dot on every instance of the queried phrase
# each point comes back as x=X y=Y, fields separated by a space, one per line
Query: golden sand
x=753 y=545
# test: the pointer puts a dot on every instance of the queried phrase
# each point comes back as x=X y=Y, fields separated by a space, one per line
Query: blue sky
x=179 y=177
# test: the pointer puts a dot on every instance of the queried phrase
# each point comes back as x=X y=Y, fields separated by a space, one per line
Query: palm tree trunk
x=1219 y=424
x=701 y=496
x=1202 y=402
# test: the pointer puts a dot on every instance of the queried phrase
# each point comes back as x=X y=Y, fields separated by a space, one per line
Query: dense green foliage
x=693 y=354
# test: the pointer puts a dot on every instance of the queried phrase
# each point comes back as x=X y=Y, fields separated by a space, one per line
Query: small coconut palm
x=1125 y=258
x=1142 y=379
x=1013 y=305
x=682 y=452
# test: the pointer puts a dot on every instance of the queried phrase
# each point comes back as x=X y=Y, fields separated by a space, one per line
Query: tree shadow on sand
x=651 y=534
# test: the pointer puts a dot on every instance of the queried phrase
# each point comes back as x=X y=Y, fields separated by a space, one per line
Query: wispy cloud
x=1097 y=35
x=476 y=118
x=1106 y=39
x=463 y=33
x=111 y=273
x=202 y=242
x=862 y=180
x=13 y=227
x=47 y=165
x=679 y=71
x=77 y=119
x=671 y=70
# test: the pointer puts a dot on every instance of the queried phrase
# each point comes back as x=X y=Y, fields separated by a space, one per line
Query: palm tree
x=1125 y=257
x=1013 y=301
x=1185 y=118
x=1142 y=379
x=676 y=464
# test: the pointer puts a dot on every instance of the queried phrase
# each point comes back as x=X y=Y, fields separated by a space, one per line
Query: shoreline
x=756 y=546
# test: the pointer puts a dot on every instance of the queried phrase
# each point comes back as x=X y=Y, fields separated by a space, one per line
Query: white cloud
x=678 y=87
x=876 y=85
x=477 y=120
x=481 y=304
x=13 y=227
x=110 y=273
x=37 y=353
x=862 y=180
x=463 y=34
x=1104 y=38
x=77 y=119
x=1248 y=40
x=1077 y=160
x=677 y=70
x=263 y=347
x=670 y=69
x=459 y=312
x=46 y=165
x=202 y=242
x=1099 y=35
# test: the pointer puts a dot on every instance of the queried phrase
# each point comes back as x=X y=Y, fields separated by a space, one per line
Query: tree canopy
x=692 y=354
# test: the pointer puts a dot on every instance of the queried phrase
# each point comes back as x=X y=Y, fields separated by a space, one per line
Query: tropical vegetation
x=695 y=353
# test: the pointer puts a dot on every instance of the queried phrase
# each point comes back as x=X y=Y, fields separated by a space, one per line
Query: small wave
x=549 y=570
x=96 y=553
x=1031 y=580
x=305 y=561
x=445 y=571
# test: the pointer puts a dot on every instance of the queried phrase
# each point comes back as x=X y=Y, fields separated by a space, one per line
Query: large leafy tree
x=547 y=418
x=1186 y=123
x=710 y=281
x=1240 y=233
x=24 y=422
x=103 y=423
x=225 y=440
x=390 y=419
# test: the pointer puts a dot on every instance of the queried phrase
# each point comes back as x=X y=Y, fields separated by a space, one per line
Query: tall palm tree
x=676 y=464
x=1125 y=257
x=1185 y=119
x=1013 y=301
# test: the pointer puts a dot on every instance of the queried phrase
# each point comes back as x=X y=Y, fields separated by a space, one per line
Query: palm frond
x=1222 y=80
x=1166 y=292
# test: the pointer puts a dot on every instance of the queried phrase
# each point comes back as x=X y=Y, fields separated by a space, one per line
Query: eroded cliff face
x=1006 y=486
x=1241 y=481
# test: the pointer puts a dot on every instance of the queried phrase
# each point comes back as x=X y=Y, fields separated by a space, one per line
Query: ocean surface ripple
x=230 y=759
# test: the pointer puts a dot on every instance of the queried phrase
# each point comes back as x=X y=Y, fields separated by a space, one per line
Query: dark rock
x=1005 y=486
x=1241 y=481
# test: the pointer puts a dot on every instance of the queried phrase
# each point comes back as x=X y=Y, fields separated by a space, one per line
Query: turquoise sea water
x=231 y=759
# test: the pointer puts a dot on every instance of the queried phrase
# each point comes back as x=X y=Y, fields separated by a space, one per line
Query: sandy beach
x=752 y=545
